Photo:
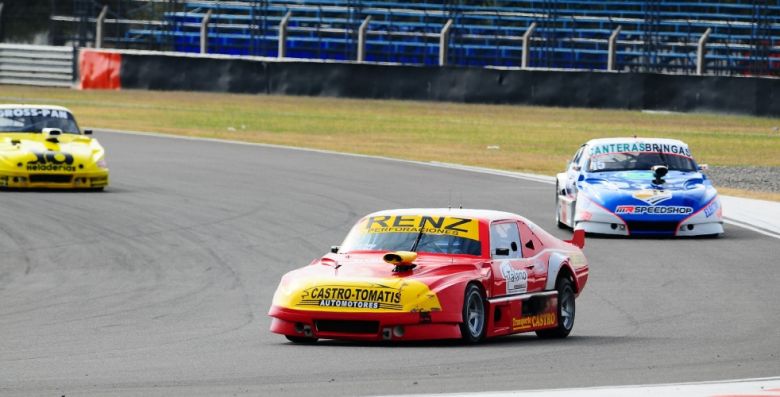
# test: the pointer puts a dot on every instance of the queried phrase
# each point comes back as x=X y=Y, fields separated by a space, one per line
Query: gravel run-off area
x=759 y=179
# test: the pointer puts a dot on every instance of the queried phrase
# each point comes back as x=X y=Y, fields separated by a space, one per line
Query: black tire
x=474 y=325
x=566 y=311
x=303 y=340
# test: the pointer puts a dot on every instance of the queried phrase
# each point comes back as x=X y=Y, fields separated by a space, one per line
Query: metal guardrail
x=36 y=65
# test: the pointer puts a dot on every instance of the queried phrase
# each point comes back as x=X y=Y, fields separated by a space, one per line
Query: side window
x=577 y=156
x=531 y=245
x=505 y=240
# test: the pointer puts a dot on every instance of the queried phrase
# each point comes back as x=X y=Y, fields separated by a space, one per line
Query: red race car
x=415 y=274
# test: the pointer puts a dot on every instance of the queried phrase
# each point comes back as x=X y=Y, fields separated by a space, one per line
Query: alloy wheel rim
x=567 y=311
x=475 y=314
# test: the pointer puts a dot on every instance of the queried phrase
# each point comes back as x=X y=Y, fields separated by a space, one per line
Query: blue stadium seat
x=570 y=33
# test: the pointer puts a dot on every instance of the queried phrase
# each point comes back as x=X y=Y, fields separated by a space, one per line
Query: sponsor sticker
x=640 y=147
x=653 y=210
x=33 y=112
x=365 y=297
x=51 y=161
x=443 y=225
x=712 y=208
x=392 y=295
x=516 y=280
x=526 y=323
x=576 y=259
x=652 y=196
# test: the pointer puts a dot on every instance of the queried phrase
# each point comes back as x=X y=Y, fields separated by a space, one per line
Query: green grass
x=530 y=139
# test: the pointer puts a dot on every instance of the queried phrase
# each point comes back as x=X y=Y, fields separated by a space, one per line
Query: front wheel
x=473 y=329
x=566 y=310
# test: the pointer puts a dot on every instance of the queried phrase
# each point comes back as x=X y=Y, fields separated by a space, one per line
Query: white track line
x=751 y=228
x=755 y=387
x=509 y=174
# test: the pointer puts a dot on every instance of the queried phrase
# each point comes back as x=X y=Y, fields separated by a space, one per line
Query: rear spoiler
x=578 y=238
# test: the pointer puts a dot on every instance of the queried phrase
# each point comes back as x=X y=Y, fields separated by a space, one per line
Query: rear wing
x=578 y=238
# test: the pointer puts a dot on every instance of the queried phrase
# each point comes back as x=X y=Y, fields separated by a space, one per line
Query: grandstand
x=654 y=35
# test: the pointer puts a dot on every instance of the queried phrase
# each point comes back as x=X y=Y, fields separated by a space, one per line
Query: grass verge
x=517 y=138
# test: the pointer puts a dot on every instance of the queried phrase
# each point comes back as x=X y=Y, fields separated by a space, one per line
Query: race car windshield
x=440 y=235
x=35 y=120
x=630 y=161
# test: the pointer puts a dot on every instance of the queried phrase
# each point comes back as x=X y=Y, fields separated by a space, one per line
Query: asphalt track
x=160 y=285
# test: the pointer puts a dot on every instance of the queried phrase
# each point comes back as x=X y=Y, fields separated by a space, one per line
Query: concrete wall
x=170 y=71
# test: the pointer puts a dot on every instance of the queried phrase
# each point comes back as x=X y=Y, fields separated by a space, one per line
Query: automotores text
x=364 y=297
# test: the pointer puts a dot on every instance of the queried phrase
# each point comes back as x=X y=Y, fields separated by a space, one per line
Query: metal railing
x=36 y=65
x=620 y=36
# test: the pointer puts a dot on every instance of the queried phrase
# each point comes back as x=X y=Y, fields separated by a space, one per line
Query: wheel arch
x=451 y=290
x=480 y=284
x=560 y=182
x=557 y=268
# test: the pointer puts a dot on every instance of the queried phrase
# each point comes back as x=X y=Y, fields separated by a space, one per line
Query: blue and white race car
x=637 y=186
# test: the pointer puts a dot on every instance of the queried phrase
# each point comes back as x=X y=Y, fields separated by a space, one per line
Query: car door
x=535 y=255
x=513 y=273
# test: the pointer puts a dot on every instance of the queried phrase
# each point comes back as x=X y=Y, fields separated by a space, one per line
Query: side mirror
x=87 y=132
x=703 y=167
x=334 y=249
x=502 y=251
x=576 y=167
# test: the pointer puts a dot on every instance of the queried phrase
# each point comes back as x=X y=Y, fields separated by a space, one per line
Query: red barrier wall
x=100 y=70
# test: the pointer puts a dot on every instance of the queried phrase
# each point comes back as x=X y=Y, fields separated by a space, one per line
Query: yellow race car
x=43 y=147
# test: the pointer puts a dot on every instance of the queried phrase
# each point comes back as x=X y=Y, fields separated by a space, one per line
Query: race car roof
x=29 y=106
x=663 y=141
x=487 y=215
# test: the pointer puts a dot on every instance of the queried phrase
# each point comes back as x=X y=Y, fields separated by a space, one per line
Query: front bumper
x=84 y=180
x=596 y=219
x=365 y=326
x=653 y=228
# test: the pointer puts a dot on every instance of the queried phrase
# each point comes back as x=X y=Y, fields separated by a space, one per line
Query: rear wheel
x=473 y=328
x=304 y=340
x=566 y=310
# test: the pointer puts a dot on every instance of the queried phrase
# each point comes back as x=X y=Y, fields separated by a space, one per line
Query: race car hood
x=366 y=283
x=32 y=152
x=632 y=194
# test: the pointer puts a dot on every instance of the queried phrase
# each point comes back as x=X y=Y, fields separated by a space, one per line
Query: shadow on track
x=509 y=340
